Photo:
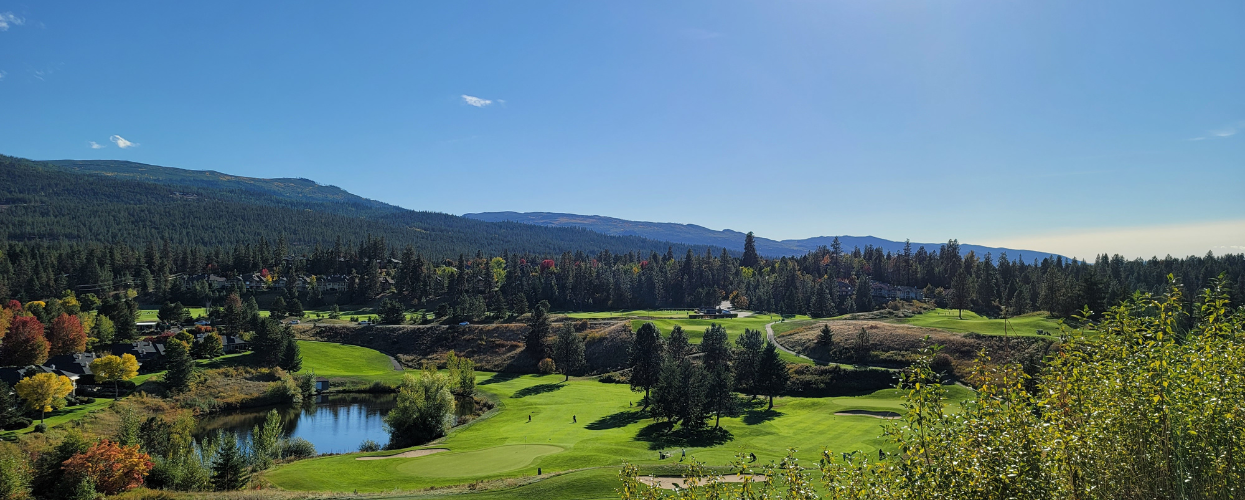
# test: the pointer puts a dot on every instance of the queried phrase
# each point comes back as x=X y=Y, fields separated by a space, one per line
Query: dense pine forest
x=495 y=286
x=40 y=201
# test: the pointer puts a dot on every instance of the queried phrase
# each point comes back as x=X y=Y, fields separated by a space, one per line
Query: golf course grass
x=585 y=424
x=638 y=313
x=354 y=363
x=949 y=319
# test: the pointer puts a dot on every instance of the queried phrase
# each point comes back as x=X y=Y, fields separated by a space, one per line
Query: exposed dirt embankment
x=492 y=347
x=898 y=345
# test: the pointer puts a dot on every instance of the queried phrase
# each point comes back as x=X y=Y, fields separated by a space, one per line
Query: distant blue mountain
x=731 y=240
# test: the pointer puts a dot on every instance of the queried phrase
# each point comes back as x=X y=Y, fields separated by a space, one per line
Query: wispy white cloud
x=2 y=73
x=8 y=19
x=476 y=101
x=1225 y=131
x=95 y=145
x=700 y=34
x=121 y=142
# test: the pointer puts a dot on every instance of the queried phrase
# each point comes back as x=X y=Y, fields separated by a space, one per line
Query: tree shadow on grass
x=536 y=389
x=662 y=435
x=757 y=412
x=620 y=419
x=500 y=377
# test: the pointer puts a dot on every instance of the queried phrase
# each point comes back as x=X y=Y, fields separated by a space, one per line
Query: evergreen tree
x=750 y=258
x=234 y=315
x=772 y=374
x=959 y=292
x=173 y=313
x=391 y=312
x=180 y=365
x=538 y=330
x=296 y=308
x=750 y=346
x=568 y=351
x=719 y=381
x=270 y=341
x=277 y=309
x=863 y=299
x=825 y=337
x=645 y=359
x=677 y=346
x=291 y=355
x=229 y=469
x=823 y=303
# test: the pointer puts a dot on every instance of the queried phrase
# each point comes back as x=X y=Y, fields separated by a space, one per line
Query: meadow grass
x=608 y=430
x=949 y=319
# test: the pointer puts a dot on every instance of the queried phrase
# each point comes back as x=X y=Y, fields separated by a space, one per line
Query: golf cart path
x=769 y=333
x=396 y=365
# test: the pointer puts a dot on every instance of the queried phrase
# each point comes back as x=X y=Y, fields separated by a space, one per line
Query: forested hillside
x=45 y=202
x=693 y=234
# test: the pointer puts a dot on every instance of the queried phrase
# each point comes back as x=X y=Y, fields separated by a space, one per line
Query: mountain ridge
x=726 y=238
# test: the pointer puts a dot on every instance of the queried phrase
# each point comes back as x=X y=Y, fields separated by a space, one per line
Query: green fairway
x=638 y=313
x=480 y=462
x=949 y=319
x=608 y=431
x=342 y=361
x=590 y=484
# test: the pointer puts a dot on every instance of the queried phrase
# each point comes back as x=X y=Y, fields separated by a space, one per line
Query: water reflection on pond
x=336 y=423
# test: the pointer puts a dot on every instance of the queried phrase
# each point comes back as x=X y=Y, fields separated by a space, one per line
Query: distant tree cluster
x=686 y=385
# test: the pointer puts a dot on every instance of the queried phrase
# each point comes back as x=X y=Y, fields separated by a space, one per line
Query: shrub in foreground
x=1150 y=408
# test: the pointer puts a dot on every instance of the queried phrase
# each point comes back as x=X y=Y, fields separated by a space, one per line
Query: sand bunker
x=670 y=482
x=888 y=415
x=407 y=454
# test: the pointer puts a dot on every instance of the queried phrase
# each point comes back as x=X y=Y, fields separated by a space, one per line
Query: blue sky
x=1082 y=126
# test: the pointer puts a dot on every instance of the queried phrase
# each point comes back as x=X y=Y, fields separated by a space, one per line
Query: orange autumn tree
x=113 y=468
x=66 y=336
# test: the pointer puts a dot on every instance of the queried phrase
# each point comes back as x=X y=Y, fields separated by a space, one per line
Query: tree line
x=479 y=287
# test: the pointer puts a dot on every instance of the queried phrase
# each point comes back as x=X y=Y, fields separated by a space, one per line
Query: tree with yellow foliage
x=114 y=369
x=44 y=392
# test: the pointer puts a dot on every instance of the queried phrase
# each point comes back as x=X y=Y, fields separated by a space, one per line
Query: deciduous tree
x=115 y=369
x=44 y=392
x=112 y=467
x=25 y=343
x=66 y=336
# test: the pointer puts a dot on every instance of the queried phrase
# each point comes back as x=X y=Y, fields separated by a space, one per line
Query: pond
x=335 y=423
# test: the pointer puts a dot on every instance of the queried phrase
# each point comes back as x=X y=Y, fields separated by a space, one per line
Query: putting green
x=473 y=463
